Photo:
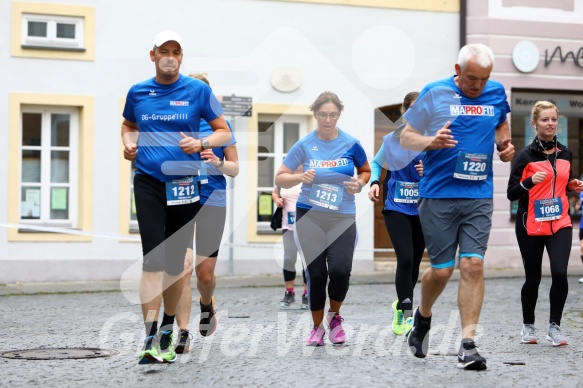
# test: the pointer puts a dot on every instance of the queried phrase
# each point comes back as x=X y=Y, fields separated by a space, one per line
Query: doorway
x=387 y=119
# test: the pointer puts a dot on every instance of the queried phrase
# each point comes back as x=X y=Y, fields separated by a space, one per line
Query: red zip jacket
x=529 y=161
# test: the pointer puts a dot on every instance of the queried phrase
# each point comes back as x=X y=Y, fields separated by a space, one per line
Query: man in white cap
x=160 y=133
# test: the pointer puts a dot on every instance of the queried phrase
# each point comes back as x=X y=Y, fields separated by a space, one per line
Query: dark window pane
x=31 y=166
x=265 y=136
x=37 y=29
x=31 y=129
x=291 y=134
x=60 y=124
x=59 y=166
x=66 y=31
x=265 y=172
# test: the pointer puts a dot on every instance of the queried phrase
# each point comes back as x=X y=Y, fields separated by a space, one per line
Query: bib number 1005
x=409 y=192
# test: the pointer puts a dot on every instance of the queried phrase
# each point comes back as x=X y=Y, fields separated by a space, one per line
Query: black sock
x=151 y=328
x=422 y=318
x=167 y=322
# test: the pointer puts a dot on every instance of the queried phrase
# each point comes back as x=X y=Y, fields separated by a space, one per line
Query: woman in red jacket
x=539 y=180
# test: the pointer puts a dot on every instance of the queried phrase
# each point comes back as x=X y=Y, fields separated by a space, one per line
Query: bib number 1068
x=550 y=209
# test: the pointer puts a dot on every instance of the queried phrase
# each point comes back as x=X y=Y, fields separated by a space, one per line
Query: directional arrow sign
x=236 y=105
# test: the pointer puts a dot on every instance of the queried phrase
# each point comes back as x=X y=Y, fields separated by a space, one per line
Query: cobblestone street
x=260 y=344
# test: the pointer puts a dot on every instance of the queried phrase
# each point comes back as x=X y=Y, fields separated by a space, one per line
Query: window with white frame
x=49 y=160
x=276 y=135
x=52 y=32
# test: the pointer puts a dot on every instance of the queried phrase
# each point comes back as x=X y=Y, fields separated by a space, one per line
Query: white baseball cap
x=166 y=36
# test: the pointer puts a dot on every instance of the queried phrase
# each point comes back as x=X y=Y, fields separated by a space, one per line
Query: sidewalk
x=377 y=277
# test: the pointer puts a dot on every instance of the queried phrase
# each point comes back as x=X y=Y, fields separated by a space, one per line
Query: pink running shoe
x=316 y=337
x=337 y=334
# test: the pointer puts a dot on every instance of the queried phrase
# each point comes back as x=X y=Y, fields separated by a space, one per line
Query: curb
x=377 y=277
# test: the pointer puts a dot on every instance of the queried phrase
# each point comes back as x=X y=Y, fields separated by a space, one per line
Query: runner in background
x=401 y=216
x=286 y=199
x=210 y=225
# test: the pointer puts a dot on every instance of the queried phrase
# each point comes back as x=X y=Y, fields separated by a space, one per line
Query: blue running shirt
x=473 y=125
x=401 y=164
x=214 y=191
x=334 y=162
x=161 y=113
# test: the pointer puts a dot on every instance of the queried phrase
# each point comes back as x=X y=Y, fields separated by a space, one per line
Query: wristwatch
x=222 y=163
x=205 y=144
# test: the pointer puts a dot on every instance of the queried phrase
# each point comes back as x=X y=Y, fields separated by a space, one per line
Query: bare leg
x=289 y=284
x=433 y=283
x=151 y=295
x=470 y=294
x=185 y=305
x=172 y=293
x=206 y=280
x=335 y=306
x=318 y=317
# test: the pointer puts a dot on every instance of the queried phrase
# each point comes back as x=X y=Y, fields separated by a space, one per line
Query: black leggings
x=290 y=255
x=326 y=242
x=532 y=248
x=166 y=231
x=407 y=237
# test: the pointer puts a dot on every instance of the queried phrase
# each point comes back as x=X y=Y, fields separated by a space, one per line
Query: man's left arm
x=503 y=142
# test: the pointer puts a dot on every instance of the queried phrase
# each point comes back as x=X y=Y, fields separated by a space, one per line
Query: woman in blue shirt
x=401 y=216
x=326 y=214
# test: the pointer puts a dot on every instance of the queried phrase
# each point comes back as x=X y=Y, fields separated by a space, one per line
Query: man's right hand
x=130 y=151
x=443 y=139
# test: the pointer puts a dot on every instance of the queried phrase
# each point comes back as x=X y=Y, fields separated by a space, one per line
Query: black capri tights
x=326 y=242
x=166 y=231
x=407 y=238
x=532 y=248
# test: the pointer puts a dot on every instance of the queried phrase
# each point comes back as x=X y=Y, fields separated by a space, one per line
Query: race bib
x=473 y=167
x=181 y=191
x=548 y=209
x=326 y=196
x=406 y=192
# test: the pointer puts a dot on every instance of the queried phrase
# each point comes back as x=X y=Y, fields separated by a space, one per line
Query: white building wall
x=370 y=57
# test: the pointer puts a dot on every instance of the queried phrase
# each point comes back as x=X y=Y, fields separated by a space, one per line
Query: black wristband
x=375 y=183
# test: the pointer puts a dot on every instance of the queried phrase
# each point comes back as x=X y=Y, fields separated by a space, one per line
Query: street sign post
x=236 y=105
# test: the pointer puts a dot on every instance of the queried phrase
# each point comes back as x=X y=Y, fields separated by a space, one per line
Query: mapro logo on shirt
x=314 y=163
x=178 y=103
x=471 y=110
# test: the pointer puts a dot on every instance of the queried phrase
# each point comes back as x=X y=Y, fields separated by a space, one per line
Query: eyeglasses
x=324 y=116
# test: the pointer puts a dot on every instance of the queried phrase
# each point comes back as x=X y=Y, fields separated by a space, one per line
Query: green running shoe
x=398 y=324
x=408 y=325
x=167 y=351
x=150 y=354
